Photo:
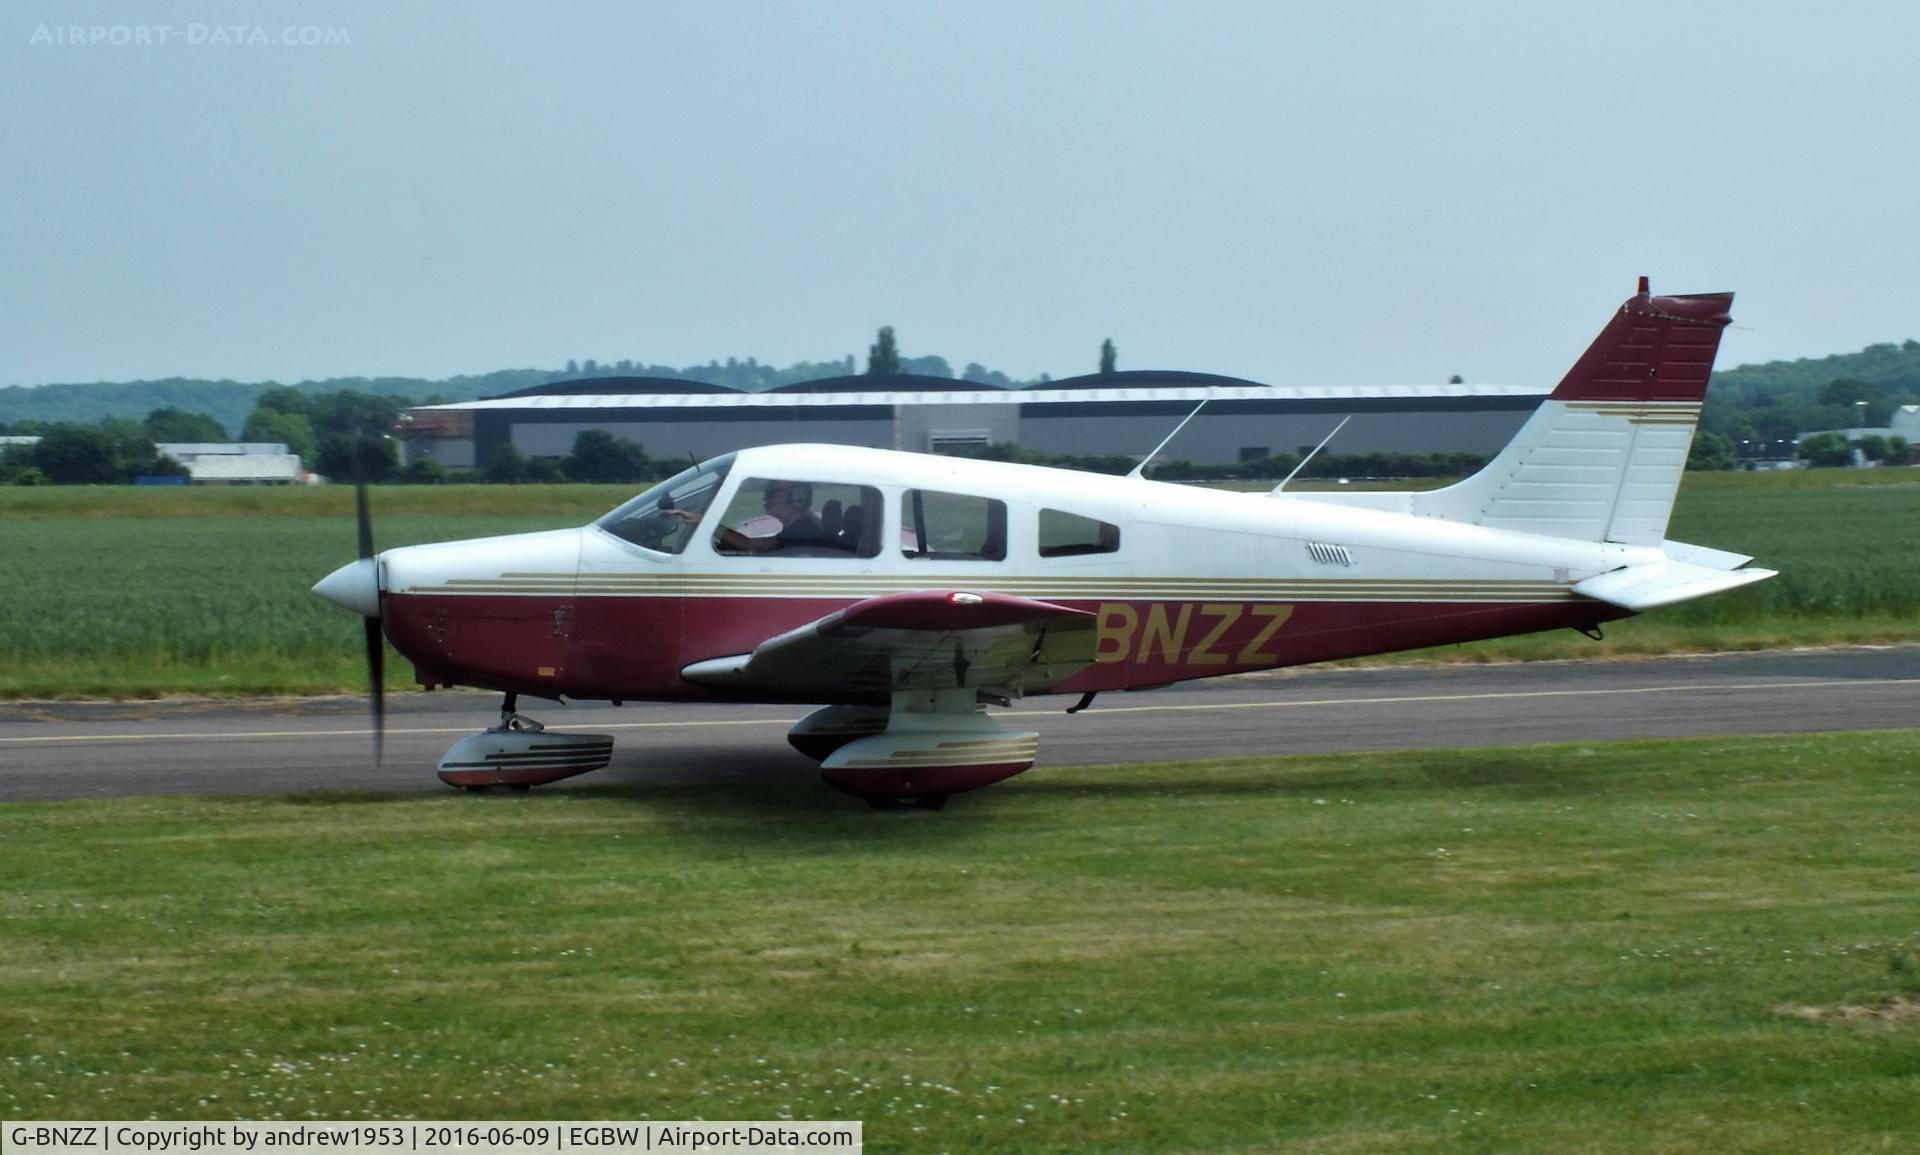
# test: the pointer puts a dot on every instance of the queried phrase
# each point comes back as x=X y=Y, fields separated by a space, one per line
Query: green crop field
x=1699 y=946
x=118 y=591
x=124 y=591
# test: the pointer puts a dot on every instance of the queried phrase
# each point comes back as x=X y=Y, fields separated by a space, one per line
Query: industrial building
x=218 y=462
x=237 y=462
x=1123 y=413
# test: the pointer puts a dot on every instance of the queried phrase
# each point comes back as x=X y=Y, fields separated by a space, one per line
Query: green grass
x=141 y=591
x=1808 y=479
x=128 y=591
x=147 y=605
x=1699 y=946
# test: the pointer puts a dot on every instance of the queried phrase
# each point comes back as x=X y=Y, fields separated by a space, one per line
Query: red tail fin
x=1654 y=349
x=1601 y=459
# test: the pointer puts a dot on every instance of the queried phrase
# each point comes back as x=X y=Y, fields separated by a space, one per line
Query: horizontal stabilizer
x=1662 y=583
x=1701 y=555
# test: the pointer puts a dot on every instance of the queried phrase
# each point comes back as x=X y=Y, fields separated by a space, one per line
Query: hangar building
x=1125 y=413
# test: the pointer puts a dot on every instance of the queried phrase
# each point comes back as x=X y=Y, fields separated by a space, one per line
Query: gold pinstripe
x=998 y=753
x=943 y=758
x=945 y=578
x=1074 y=587
x=995 y=743
x=1676 y=413
x=871 y=765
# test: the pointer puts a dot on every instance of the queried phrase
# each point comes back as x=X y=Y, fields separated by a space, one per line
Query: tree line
x=1780 y=400
x=324 y=430
x=230 y=402
x=338 y=435
x=116 y=451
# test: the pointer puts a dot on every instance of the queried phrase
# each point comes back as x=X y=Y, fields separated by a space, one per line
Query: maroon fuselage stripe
x=633 y=648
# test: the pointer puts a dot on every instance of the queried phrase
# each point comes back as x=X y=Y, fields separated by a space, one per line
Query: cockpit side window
x=665 y=517
x=790 y=517
x=952 y=526
x=1064 y=534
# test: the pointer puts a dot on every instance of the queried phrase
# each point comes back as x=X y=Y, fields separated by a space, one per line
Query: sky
x=1296 y=193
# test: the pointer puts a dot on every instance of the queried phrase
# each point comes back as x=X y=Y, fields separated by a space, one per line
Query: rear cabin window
x=1064 y=534
x=796 y=517
x=952 y=526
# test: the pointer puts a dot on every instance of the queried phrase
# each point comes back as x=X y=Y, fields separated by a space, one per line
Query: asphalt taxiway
x=86 y=750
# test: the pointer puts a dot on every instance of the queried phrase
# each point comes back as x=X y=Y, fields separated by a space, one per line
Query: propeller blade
x=376 y=686
x=376 y=640
x=364 y=521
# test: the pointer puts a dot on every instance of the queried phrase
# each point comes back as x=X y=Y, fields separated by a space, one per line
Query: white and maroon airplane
x=905 y=593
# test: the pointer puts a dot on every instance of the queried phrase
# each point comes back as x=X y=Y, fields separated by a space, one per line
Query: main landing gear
x=929 y=745
x=520 y=754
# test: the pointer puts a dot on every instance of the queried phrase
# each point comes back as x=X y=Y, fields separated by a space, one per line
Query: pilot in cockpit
x=791 y=504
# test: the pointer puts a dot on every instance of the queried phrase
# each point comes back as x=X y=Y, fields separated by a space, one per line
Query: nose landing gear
x=520 y=754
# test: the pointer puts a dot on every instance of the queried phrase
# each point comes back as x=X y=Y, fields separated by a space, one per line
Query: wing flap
x=924 y=640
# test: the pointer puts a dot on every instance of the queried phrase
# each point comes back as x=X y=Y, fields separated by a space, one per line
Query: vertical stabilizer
x=1601 y=459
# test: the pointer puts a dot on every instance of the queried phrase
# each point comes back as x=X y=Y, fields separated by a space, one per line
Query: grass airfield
x=1708 y=945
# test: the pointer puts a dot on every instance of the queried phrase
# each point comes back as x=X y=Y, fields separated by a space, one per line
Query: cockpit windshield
x=665 y=517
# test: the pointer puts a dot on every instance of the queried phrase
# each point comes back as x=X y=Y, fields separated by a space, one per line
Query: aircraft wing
x=924 y=640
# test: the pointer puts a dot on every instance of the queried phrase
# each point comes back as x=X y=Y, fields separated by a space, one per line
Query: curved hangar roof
x=1136 y=386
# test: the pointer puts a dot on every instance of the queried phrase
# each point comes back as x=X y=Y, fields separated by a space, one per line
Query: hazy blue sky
x=1339 y=193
